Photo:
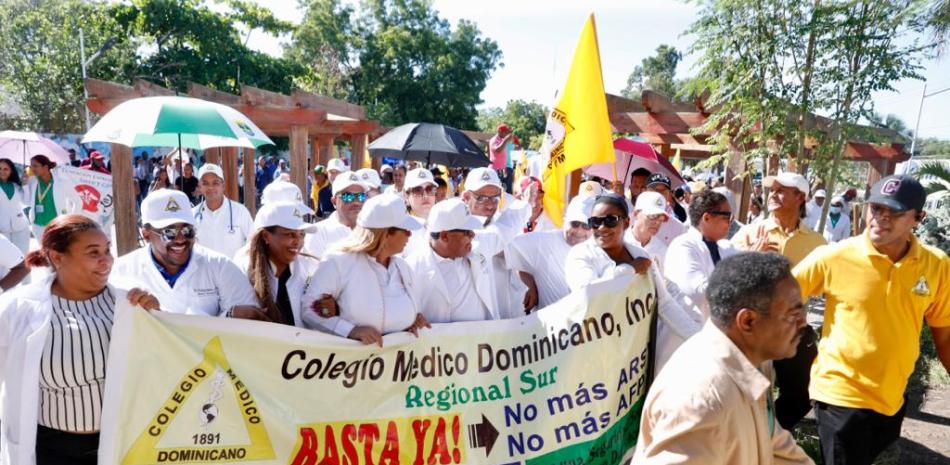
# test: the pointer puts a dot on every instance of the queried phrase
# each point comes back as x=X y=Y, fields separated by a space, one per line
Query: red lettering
x=440 y=446
x=456 y=431
x=368 y=433
x=307 y=454
x=390 y=453
x=419 y=428
x=349 y=449
x=330 y=456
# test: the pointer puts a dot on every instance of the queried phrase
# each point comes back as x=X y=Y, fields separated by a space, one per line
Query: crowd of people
x=366 y=253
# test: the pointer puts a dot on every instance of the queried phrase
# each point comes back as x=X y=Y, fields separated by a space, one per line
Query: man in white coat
x=696 y=252
x=185 y=278
x=672 y=228
x=223 y=225
x=349 y=194
x=454 y=282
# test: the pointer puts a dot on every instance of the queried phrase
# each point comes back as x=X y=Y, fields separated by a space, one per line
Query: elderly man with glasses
x=349 y=194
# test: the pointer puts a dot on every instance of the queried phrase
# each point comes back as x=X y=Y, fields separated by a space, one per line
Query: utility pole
x=920 y=109
x=85 y=63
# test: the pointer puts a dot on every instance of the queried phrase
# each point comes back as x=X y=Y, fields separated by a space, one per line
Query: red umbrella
x=632 y=155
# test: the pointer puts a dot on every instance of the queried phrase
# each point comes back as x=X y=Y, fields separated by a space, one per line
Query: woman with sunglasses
x=610 y=253
x=420 y=191
x=13 y=222
x=370 y=283
x=54 y=341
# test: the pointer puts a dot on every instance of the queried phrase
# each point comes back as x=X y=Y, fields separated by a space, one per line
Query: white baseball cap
x=481 y=177
x=283 y=191
x=418 y=177
x=787 y=179
x=385 y=168
x=579 y=209
x=386 y=211
x=451 y=214
x=284 y=214
x=820 y=193
x=344 y=181
x=211 y=168
x=590 y=189
x=370 y=178
x=337 y=164
x=651 y=203
x=165 y=207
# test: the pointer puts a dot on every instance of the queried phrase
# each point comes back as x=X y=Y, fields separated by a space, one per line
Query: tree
x=655 y=73
x=526 y=120
x=398 y=58
x=937 y=18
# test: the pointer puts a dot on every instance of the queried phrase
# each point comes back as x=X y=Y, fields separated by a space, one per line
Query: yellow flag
x=677 y=161
x=578 y=129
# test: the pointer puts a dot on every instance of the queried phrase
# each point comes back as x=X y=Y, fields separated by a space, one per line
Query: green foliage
x=656 y=73
x=933 y=148
x=399 y=58
x=526 y=120
x=939 y=174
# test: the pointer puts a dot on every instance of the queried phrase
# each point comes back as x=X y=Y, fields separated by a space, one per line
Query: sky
x=537 y=39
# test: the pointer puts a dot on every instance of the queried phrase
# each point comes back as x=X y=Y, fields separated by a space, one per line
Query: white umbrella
x=20 y=146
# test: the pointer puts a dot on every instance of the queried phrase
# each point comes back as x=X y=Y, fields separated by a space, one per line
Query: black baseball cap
x=659 y=178
x=899 y=193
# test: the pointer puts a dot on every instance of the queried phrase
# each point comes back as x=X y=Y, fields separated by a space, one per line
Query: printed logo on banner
x=90 y=197
x=204 y=443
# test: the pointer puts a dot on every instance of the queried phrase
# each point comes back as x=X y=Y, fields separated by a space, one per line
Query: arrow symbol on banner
x=482 y=434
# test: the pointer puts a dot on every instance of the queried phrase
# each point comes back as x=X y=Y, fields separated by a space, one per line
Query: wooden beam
x=655 y=102
x=97 y=88
x=148 y=89
x=212 y=95
x=126 y=234
x=213 y=156
x=254 y=96
x=657 y=123
x=327 y=104
x=250 y=190
x=692 y=147
x=229 y=166
x=618 y=104
x=298 y=156
x=324 y=146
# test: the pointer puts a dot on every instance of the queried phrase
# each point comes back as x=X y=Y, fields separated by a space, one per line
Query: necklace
x=42 y=195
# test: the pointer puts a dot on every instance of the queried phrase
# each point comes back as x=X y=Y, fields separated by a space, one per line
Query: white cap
x=788 y=179
x=283 y=191
x=369 y=177
x=481 y=177
x=284 y=214
x=337 y=164
x=210 y=168
x=579 y=209
x=386 y=211
x=418 y=177
x=820 y=193
x=590 y=189
x=451 y=214
x=165 y=207
x=385 y=168
x=344 y=180
x=651 y=203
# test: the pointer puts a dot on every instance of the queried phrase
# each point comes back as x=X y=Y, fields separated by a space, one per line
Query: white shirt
x=418 y=239
x=838 y=232
x=302 y=272
x=542 y=255
x=366 y=294
x=224 y=230
x=655 y=247
x=812 y=214
x=460 y=282
x=689 y=265
x=211 y=284
x=671 y=229
x=329 y=232
x=10 y=255
x=12 y=218
x=438 y=302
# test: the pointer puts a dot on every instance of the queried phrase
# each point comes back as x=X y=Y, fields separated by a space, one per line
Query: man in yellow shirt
x=785 y=232
x=879 y=287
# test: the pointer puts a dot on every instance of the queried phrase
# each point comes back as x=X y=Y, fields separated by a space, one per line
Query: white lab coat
x=671 y=229
x=434 y=299
x=812 y=214
x=329 y=232
x=838 y=232
x=211 y=284
x=491 y=241
x=302 y=271
x=62 y=195
x=224 y=230
x=350 y=279
x=542 y=255
x=689 y=265
x=24 y=326
x=12 y=217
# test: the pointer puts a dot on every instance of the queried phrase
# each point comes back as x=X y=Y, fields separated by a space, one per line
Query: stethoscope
x=201 y=210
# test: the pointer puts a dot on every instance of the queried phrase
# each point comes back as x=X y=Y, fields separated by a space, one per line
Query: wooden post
x=298 y=156
x=878 y=169
x=123 y=196
x=735 y=166
x=213 y=156
x=229 y=166
x=358 y=150
x=314 y=153
x=250 y=190
x=326 y=149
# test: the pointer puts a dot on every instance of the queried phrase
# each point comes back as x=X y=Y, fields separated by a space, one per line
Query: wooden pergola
x=312 y=122
x=670 y=126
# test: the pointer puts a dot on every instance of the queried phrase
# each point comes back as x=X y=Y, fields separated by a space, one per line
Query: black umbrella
x=430 y=143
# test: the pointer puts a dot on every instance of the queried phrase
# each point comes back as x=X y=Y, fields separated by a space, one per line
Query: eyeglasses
x=610 y=221
x=348 y=197
x=430 y=191
x=579 y=224
x=169 y=234
x=487 y=198
x=724 y=214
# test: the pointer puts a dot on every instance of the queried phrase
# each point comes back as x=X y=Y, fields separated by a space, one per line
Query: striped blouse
x=73 y=366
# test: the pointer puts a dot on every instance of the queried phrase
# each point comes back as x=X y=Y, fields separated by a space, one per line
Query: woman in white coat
x=609 y=254
x=279 y=273
x=54 y=343
x=372 y=286
x=13 y=222
x=837 y=225
x=47 y=194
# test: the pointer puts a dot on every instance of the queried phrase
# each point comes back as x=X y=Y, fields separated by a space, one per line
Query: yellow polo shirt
x=795 y=246
x=874 y=314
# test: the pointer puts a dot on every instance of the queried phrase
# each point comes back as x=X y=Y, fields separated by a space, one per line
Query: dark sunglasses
x=610 y=221
x=169 y=234
x=721 y=213
x=348 y=197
